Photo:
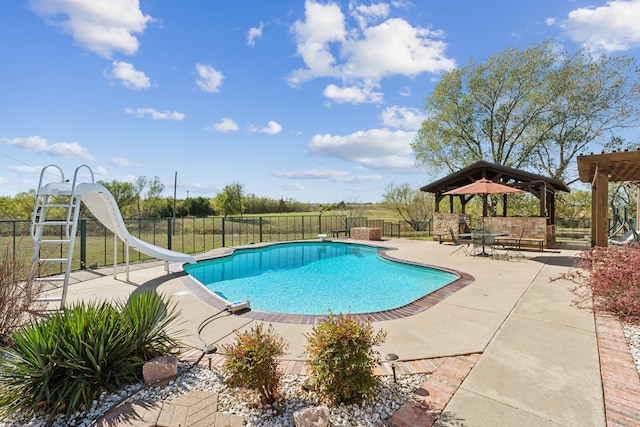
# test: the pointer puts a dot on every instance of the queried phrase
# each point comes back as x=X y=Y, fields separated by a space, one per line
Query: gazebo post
x=600 y=207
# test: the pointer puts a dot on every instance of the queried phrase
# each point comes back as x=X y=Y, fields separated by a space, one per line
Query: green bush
x=342 y=358
x=252 y=361
x=63 y=362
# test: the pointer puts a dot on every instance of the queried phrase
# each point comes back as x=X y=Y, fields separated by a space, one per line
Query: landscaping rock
x=159 y=371
x=313 y=416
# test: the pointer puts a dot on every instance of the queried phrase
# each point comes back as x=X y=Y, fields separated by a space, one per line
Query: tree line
x=143 y=198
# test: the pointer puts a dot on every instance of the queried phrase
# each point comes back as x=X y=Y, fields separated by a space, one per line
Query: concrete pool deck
x=539 y=361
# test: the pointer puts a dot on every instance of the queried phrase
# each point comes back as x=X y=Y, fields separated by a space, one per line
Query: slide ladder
x=53 y=228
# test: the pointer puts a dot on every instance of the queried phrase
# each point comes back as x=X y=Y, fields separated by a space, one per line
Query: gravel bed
x=389 y=397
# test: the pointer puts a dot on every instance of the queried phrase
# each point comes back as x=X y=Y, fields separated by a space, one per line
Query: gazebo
x=599 y=170
x=540 y=228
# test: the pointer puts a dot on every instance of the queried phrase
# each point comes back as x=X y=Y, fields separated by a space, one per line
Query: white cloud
x=324 y=24
x=311 y=174
x=103 y=27
x=365 y=15
x=292 y=186
x=609 y=28
x=272 y=128
x=129 y=76
x=100 y=171
x=402 y=117
x=209 y=79
x=225 y=125
x=379 y=149
x=121 y=162
x=328 y=174
x=155 y=114
x=59 y=149
x=24 y=169
x=352 y=94
x=362 y=55
x=254 y=33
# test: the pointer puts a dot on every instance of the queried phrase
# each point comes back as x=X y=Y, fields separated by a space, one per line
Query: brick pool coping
x=410 y=309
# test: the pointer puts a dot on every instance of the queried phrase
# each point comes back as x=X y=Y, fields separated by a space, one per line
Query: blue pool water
x=316 y=278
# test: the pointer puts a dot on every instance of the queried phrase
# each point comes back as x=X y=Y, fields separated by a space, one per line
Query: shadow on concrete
x=447 y=419
x=561 y=261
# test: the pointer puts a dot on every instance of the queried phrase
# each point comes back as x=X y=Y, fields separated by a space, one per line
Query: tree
x=124 y=194
x=350 y=210
x=414 y=206
x=528 y=109
x=153 y=200
x=229 y=201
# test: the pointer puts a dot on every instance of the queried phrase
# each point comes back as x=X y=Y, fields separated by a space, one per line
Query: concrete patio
x=539 y=362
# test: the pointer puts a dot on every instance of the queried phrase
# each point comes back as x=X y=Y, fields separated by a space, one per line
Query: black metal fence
x=94 y=245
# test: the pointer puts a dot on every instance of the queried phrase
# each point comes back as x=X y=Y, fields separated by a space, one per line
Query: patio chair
x=462 y=245
x=511 y=244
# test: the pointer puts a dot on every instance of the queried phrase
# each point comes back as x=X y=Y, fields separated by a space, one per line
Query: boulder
x=312 y=416
x=159 y=371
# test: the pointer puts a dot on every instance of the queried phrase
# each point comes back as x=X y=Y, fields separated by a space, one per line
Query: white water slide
x=68 y=196
x=105 y=209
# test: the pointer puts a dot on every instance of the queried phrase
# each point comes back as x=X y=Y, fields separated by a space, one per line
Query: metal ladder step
x=48 y=279
x=54 y=205
x=52 y=259
x=49 y=299
x=54 y=241
x=57 y=222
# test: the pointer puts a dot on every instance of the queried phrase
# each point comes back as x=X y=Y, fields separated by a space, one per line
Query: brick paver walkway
x=620 y=379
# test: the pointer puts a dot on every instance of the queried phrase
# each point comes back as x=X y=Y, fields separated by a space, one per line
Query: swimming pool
x=315 y=278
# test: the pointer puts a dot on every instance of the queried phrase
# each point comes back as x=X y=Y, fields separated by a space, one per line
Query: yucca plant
x=63 y=362
x=148 y=317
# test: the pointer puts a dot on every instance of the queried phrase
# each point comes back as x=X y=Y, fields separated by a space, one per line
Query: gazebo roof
x=516 y=178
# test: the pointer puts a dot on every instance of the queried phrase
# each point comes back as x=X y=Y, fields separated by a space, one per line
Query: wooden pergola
x=542 y=187
x=599 y=170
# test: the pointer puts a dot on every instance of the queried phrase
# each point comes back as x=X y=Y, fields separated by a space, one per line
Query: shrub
x=342 y=358
x=614 y=278
x=65 y=361
x=17 y=295
x=252 y=361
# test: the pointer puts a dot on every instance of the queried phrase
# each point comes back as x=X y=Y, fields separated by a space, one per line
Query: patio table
x=483 y=236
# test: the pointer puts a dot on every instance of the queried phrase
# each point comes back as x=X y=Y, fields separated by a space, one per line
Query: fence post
x=83 y=244
x=223 y=233
x=14 y=239
x=169 y=233
x=260 y=227
x=302 y=227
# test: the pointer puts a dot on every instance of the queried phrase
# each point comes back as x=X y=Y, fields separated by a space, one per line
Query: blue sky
x=316 y=101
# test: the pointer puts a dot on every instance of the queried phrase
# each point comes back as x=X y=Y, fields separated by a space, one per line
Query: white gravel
x=389 y=397
x=632 y=333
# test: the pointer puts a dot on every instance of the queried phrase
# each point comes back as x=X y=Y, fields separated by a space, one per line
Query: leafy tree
x=153 y=200
x=195 y=206
x=125 y=195
x=229 y=201
x=414 y=206
x=529 y=109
